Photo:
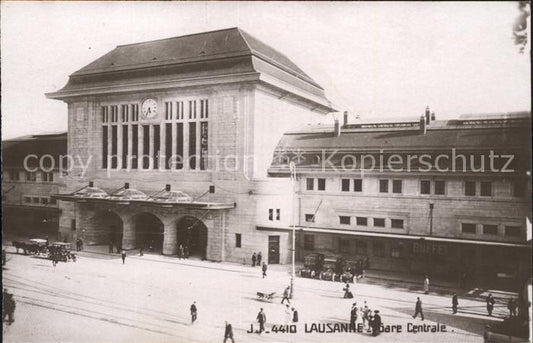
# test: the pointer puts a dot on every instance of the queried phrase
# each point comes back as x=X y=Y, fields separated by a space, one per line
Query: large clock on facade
x=149 y=108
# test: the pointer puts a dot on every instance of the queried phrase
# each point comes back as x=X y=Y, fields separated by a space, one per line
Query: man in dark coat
x=353 y=314
x=418 y=308
x=8 y=307
x=261 y=319
x=254 y=258
x=286 y=295
x=194 y=312
x=490 y=304
x=259 y=258
x=294 y=315
x=455 y=302
x=123 y=256
x=376 y=323
x=228 y=333
x=110 y=247
x=512 y=307
x=264 y=270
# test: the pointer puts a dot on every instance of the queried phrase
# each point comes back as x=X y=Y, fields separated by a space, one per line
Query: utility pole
x=292 y=168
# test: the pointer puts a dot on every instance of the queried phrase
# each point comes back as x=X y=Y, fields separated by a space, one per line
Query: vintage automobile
x=61 y=252
x=352 y=269
x=332 y=268
x=312 y=265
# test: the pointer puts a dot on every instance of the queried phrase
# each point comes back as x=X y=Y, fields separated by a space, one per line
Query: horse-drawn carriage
x=59 y=251
x=34 y=246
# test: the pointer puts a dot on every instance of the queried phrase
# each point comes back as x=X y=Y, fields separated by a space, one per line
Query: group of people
x=371 y=320
x=291 y=316
x=256 y=259
x=8 y=307
x=183 y=251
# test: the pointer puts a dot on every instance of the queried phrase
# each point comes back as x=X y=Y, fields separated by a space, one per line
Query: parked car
x=332 y=268
x=312 y=265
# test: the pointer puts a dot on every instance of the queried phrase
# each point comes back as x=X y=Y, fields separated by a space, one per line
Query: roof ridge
x=170 y=38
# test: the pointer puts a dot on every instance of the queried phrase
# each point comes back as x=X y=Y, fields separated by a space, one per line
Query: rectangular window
x=238 y=238
x=179 y=146
x=383 y=186
x=310 y=218
x=105 y=114
x=396 y=223
x=270 y=214
x=321 y=184
x=53 y=201
x=135 y=112
x=361 y=221
x=14 y=175
x=440 y=187
x=157 y=145
x=179 y=110
x=192 y=145
x=35 y=200
x=309 y=242
x=31 y=176
x=360 y=248
x=378 y=249
x=470 y=188
x=125 y=113
x=345 y=185
x=134 y=146
x=168 y=145
x=396 y=186
x=345 y=220
x=27 y=200
x=344 y=246
x=203 y=108
x=114 y=146
x=486 y=189
x=468 y=228
x=425 y=187
x=379 y=222
x=204 y=134
x=396 y=251
x=490 y=229
x=104 y=147
x=48 y=176
x=192 y=109
x=512 y=231
x=168 y=110
x=519 y=189
x=73 y=224
x=146 y=147
x=125 y=152
x=278 y=214
x=114 y=114
x=44 y=201
x=310 y=184
x=357 y=185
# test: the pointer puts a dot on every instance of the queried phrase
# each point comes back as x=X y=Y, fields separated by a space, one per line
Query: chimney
x=433 y=116
x=428 y=118
x=337 y=129
x=422 y=125
x=345 y=118
x=127 y=185
x=167 y=187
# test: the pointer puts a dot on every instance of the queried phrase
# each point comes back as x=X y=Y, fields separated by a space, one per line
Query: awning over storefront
x=395 y=236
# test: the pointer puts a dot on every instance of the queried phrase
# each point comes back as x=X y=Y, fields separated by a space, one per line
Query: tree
x=520 y=25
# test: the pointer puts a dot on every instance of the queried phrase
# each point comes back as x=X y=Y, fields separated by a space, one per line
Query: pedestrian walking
x=186 y=252
x=294 y=315
x=254 y=258
x=78 y=244
x=264 y=270
x=8 y=308
x=123 y=256
x=194 y=312
x=347 y=293
x=259 y=258
x=418 y=309
x=111 y=247
x=512 y=306
x=376 y=323
x=228 y=333
x=426 y=285
x=261 y=319
x=141 y=251
x=455 y=302
x=490 y=304
x=180 y=251
x=286 y=295
x=366 y=315
x=353 y=314
x=288 y=314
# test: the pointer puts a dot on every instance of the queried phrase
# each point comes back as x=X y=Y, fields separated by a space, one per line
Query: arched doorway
x=192 y=233
x=149 y=231
x=107 y=227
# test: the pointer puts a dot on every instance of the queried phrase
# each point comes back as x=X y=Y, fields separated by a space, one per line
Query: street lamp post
x=292 y=168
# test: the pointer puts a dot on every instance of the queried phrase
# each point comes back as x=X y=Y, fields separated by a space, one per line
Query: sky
x=373 y=59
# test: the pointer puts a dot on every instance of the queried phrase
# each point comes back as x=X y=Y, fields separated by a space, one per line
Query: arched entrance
x=107 y=227
x=192 y=233
x=149 y=231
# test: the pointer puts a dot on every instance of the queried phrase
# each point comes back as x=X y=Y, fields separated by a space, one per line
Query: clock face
x=149 y=108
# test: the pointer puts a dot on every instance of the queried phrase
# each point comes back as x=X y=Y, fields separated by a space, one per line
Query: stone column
x=170 y=239
x=119 y=145
x=174 y=144
x=162 y=145
x=140 y=147
x=151 y=147
x=130 y=153
x=129 y=240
